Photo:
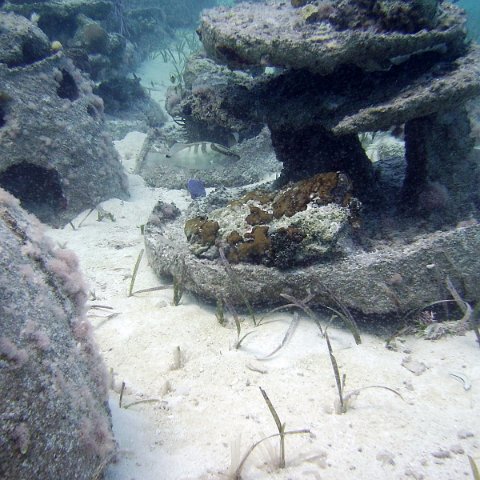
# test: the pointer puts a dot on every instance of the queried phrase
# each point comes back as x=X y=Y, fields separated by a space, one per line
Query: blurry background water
x=472 y=8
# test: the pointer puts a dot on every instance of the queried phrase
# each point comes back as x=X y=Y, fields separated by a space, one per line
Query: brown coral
x=256 y=246
x=234 y=237
x=259 y=196
x=258 y=216
x=201 y=230
x=321 y=189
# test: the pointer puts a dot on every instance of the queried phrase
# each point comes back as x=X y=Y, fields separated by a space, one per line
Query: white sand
x=203 y=407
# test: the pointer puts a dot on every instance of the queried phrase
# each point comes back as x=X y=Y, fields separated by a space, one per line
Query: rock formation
x=55 y=154
x=54 y=417
x=318 y=74
x=321 y=74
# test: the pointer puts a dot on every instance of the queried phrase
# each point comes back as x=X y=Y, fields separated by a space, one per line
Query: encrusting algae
x=302 y=221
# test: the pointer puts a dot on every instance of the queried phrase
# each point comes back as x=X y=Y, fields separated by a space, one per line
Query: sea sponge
x=95 y=38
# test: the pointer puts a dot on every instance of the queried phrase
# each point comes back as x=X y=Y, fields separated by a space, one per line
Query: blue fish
x=196 y=188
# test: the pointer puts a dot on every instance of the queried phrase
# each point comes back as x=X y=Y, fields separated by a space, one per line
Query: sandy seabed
x=202 y=408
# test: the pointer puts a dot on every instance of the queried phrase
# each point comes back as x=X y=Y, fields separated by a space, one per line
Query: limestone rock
x=319 y=82
x=318 y=76
x=278 y=35
x=304 y=222
x=54 y=419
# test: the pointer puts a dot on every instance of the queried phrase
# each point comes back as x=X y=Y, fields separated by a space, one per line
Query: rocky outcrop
x=54 y=419
x=318 y=81
x=55 y=154
x=99 y=37
x=322 y=40
x=109 y=38
x=389 y=281
x=21 y=42
x=319 y=74
x=305 y=222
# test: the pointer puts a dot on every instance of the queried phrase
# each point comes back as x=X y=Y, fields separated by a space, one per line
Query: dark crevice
x=4 y=101
x=30 y=52
x=37 y=188
x=67 y=88
x=2 y=116
x=92 y=111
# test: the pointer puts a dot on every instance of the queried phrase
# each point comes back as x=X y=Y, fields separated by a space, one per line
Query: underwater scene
x=239 y=240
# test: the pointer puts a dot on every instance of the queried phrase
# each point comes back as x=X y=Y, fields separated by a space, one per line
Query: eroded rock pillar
x=441 y=175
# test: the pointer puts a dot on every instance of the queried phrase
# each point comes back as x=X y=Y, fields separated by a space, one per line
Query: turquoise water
x=472 y=7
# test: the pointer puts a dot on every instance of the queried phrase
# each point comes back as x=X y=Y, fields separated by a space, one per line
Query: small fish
x=196 y=188
x=200 y=155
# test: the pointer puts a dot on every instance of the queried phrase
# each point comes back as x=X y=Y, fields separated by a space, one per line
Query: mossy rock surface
x=366 y=34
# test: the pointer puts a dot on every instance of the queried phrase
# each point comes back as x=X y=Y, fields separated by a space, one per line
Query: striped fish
x=200 y=155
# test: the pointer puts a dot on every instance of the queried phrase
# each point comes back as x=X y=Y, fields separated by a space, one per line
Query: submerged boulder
x=54 y=416
x=308 y=221
x=55 y=154
x=21 y=41
x=388 y=281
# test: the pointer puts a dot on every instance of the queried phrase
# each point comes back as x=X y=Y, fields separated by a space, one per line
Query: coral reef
x=320 y=74
x=82 y=27
x=361 y=279
x=318 y=84
x=21 y=42
x=99 y=37
x=201 y=230
x=385 y=15
x=54 y=417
